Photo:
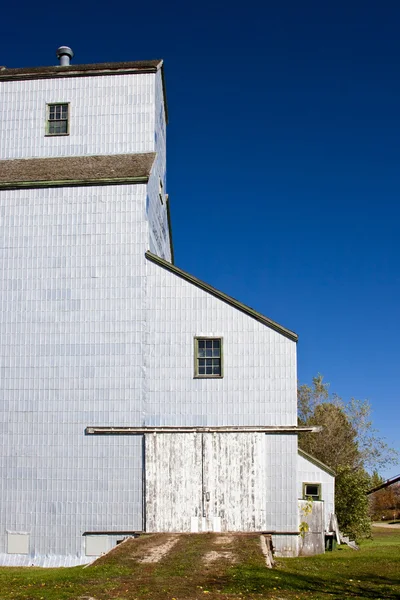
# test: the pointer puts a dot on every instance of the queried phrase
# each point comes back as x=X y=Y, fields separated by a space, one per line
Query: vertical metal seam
x=144 y=482
x=202 y=477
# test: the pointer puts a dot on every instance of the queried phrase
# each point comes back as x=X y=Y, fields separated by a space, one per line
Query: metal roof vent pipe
x=64 y=55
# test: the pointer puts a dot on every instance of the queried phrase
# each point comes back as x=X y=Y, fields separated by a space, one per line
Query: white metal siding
x=111 y=114
x=156 y=207
x=282 y=504
x=71 y=336
x=259 y=383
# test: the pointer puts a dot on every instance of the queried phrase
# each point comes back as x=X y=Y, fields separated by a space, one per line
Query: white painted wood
x=234 y=480
x=312 y=541
x=205 y=482
x=173 y=482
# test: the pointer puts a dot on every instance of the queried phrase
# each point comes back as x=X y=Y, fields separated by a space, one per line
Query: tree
x=351 y=501
x=385 y=503
x=348 y=444
x=354 y=417
x=336 y=444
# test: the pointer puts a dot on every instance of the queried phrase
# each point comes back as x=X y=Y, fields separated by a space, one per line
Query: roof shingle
x=75 y=170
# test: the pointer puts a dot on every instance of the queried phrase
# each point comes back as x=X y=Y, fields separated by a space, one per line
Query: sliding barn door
x=234 y=481
x=205 y=482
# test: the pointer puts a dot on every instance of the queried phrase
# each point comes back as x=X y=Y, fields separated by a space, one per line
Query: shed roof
x=316 y=462
x=76 y=170
x=222 y=296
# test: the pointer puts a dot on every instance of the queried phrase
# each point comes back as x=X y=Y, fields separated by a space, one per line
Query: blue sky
x=283 y=161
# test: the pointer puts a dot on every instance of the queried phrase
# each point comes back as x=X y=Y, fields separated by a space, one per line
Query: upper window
x=57 y=119
x=208 y=357
x=312 y=490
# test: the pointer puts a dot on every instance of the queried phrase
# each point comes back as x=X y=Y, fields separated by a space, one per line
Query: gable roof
x=316 y=462
x=76 y=170
x=221 y=296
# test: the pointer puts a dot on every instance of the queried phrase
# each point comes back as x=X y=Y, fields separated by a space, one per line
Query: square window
x=208 y=357
x=57 y=122
x=312 y=490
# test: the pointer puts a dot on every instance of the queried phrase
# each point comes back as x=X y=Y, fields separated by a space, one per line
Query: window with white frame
x=208 y=357
x=57 y=119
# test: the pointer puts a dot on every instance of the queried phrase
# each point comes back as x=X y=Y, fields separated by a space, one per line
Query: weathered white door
x=313 y=539
x=234 y=481
x=205 y=482
x=173 y=483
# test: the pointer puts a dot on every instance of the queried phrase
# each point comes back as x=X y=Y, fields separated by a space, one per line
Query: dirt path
x=158 y=551
x=387 y=525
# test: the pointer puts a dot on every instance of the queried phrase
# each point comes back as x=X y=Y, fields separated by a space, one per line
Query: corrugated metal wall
x=281 y=488
x=259 y=383
x=72 y=327
x=109 y=115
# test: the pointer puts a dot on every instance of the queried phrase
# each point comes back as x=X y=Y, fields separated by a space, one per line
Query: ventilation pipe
x=64 y=55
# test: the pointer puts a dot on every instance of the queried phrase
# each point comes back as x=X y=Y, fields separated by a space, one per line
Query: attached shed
x=317 y=481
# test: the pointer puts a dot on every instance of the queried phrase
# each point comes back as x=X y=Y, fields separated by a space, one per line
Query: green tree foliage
x=348 y=444
x=351 y=501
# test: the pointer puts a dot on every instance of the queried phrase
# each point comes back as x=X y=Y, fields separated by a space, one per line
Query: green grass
x=373 y=572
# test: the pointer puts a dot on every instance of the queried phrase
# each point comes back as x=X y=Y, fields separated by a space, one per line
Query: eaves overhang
x=126 y=430
x=222 y=296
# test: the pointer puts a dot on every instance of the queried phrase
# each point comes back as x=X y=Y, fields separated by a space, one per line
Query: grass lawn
x=373 y=572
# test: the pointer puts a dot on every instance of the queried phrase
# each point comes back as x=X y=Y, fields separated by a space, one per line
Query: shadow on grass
x=260 y=581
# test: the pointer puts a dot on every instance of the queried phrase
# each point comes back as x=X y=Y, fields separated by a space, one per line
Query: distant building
x=134 y=397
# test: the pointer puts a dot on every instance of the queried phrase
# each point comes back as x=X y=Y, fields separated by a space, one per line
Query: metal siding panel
x=108 y=115
x=259 y=383
x=282 y=508
x=72 y=325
